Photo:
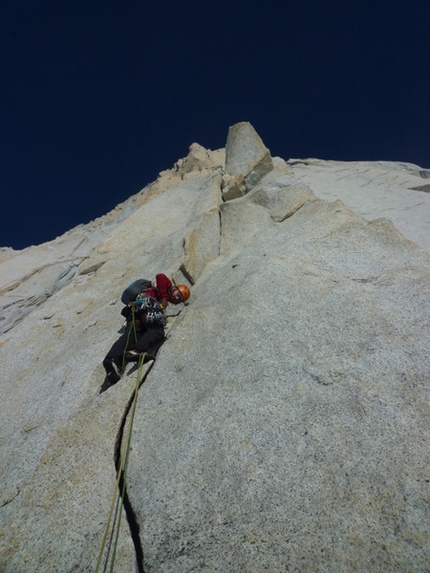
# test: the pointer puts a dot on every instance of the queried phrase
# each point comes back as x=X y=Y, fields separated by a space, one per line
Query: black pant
x=135 y=337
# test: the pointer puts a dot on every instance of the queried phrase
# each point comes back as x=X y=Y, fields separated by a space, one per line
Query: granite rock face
x=247 y=160
x=284 y=424
x=375 y=189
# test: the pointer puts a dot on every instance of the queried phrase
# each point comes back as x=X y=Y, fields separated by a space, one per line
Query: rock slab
x=291 y=431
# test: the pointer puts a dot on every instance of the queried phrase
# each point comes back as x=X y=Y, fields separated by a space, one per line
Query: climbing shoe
x=111 y=379
x=112 y=375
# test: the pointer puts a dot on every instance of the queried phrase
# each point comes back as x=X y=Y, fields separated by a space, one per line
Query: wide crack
x=128 y=508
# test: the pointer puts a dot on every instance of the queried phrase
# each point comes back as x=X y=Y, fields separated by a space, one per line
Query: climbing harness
x=133 y=329
x=152 y=313
x=152 y=309
x=119 y=492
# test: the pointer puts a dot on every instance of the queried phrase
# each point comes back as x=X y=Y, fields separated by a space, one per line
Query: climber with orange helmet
x=179 y=293
x=163 y=290
x=144 y=326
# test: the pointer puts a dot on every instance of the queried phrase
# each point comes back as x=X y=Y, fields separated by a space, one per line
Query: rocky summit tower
x=284 y=425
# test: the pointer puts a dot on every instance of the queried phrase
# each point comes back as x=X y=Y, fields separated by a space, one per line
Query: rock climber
x=145 y=322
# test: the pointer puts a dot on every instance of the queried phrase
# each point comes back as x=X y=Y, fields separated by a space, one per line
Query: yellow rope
x=133 y=324
x=121 y=471
x=127 y=452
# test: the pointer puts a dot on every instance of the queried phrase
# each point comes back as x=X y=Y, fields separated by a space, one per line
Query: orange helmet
x=185 y=292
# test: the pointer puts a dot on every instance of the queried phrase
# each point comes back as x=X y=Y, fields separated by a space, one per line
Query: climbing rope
x=130 y=330
x=119 y=492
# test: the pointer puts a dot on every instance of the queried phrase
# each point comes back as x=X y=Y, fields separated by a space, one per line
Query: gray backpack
x=131 y=292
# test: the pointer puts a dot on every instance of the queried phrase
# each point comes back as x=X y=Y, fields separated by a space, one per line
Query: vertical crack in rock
x=186 y=274
x=201 y=245
x=128 y=508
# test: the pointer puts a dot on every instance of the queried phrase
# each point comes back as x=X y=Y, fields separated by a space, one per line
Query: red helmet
x=185 y=292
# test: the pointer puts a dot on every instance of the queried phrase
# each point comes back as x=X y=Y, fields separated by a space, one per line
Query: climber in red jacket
x=164 y=291
x=145 y=322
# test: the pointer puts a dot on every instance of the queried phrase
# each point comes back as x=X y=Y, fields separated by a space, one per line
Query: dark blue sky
x=98 y=96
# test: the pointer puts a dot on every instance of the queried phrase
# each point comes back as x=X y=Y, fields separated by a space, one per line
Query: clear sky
x=98 y=96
